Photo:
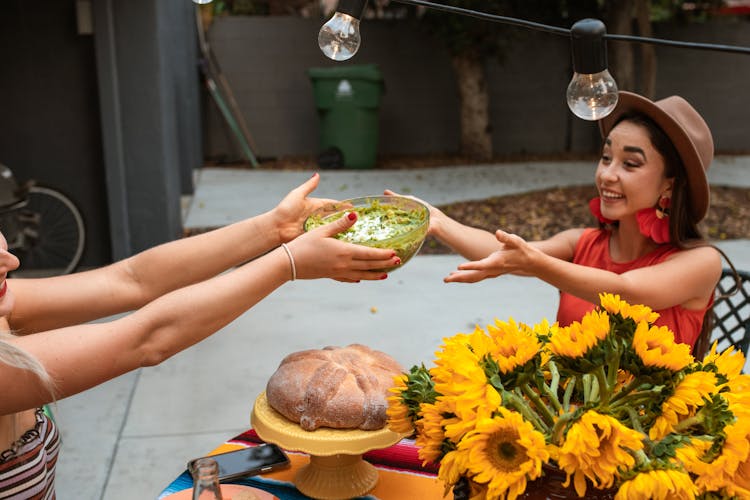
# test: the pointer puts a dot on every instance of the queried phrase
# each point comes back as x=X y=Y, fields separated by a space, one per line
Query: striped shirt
x=27 y=470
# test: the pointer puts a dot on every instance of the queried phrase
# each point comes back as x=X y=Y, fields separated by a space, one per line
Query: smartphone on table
x=247 y=461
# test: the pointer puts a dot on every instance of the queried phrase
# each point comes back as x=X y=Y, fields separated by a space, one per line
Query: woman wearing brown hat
x=653 y=192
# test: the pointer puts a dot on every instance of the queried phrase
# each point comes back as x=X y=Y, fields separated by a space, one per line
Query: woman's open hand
x=318 y=255
x=291 y=212
x=435 y=215
x=516 y=257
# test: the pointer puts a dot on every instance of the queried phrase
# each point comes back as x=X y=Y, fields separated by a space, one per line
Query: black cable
x=566 y=32
x=676 y=43
x=489 y=17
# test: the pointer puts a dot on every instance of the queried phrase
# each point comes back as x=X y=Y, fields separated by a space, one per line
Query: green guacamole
x=381 y=225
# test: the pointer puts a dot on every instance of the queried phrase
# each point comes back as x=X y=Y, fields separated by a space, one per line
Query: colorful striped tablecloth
x=400 y=473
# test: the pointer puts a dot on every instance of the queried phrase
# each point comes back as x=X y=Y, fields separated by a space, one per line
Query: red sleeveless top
x=592 y=250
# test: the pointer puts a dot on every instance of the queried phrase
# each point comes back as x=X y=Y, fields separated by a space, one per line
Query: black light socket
x=589 y=46
x=354 y=8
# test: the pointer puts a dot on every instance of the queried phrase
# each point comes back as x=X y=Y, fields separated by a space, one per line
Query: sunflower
x=738 y=395
x=453 y=466
x=726 y=470
x=729 y=362
x=594 y=448
x=475 y=345
x=612 y=400
x=515 y=344
x=578 y=338
x=692 y=451
x=656 y=347
x=687 y=397
x=457 y=366
x=399 y=418
x=659 y=484
x=467 y=411
x=466 y=387
x=430 y=433
x=613 y=305
x=505 y=452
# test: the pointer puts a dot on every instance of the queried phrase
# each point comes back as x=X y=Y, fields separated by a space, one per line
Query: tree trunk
x=648 y=51
x=476 y=139
x=621 y=63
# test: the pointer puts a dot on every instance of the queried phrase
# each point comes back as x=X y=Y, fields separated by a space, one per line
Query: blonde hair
x=13 y=355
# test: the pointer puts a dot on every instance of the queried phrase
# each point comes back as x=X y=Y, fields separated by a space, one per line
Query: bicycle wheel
x=54 y=234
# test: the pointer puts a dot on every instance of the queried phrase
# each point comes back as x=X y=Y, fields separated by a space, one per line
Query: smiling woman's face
x=8 y=263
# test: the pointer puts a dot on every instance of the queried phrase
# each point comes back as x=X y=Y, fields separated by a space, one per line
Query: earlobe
x=667 y=193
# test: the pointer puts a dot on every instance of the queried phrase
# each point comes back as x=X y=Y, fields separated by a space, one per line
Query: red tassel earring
x=654 y=222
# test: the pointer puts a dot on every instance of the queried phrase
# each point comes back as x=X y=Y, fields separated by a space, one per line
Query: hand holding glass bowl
x=394 y=222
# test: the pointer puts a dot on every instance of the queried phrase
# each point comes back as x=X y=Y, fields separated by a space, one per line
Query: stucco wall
x=265 y=61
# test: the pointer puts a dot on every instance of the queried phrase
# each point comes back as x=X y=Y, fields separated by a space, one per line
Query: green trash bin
x=348 y=99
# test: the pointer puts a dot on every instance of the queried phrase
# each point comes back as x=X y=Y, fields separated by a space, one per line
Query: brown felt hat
x=688 y=132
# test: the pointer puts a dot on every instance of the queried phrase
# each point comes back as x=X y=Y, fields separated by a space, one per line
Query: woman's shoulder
x=703 y=255
x=701 y=249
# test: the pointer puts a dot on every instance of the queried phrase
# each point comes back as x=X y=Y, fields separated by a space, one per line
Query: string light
x=592 y=92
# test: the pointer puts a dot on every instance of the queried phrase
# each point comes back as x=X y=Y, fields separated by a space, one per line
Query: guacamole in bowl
x=394 y=222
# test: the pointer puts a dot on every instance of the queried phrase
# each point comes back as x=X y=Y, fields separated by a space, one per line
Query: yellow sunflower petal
x=656 y=347
x=658 y=485
x=595 y=447
x=505 y=452
x=687 y=397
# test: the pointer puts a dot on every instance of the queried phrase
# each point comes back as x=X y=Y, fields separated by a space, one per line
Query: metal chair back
x=731 y=313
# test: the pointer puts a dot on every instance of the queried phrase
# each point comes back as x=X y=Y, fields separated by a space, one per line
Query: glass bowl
x=394 y=222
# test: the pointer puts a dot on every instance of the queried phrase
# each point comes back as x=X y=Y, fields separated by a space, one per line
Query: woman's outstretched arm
x=80 y=357
x=43 y=304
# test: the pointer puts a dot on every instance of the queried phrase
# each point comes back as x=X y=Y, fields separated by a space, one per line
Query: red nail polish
x=352 y=216
x=397 y=261
x=393 y=254
x=384 y=277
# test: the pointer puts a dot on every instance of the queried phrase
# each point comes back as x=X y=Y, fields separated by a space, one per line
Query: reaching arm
x=80 y=357
x=475 y=244
x=128 y=284
x=470 y=242
x=686 y=278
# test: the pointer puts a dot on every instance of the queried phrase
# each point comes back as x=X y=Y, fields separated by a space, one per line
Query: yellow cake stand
x=336 y=470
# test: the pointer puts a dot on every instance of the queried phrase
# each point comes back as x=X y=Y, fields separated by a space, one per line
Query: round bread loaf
x=336 y=387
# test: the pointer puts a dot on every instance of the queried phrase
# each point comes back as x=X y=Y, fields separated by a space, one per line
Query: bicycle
x=42 y=226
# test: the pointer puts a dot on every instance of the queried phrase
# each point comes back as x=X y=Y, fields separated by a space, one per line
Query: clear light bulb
x=201 y=2
x=592 y=97
x=339 y=37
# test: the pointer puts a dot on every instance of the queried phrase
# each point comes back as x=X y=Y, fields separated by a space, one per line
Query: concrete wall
x=49 y=125
x=110 y=119
x=265 y=61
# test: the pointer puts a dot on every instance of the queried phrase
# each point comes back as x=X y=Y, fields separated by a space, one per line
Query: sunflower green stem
x=557 y=429
x=625 y=391
x=604 y=388
x=635 y=421
x=555 y=378
x=520 y=405
x=569 y=393
x=634 y=400
x=541 y=408
x=613 y=368
x=552 y=396
x=689 y=422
